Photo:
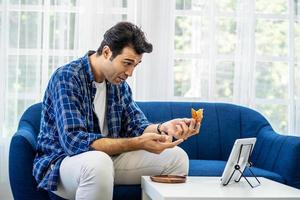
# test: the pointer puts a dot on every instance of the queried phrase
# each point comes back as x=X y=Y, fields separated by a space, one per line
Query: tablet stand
x=237 y=167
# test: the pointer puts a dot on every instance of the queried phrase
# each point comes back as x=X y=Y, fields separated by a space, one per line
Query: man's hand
x=181 y=128
x=156 y=143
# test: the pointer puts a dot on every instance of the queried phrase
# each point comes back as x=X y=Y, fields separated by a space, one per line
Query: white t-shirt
x=100 y=106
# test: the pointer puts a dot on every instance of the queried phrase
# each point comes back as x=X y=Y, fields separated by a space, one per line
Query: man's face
x=122 y=66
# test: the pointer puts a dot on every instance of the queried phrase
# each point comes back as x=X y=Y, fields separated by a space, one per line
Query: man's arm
x=178 y=128
x=69 y=116
x=152 y=128
x=151 y=142
x=113 y=146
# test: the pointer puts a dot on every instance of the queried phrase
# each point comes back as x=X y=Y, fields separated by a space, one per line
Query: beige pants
x=92 y=175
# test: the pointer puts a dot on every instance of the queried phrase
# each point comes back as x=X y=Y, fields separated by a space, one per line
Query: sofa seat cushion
x=216 y=167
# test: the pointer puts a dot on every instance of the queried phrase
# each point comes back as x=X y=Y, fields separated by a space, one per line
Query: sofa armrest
x=27 y=133
x=279 y=154
x=21 y=155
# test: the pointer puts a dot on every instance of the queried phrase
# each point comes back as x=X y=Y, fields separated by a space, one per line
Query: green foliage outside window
x=276 y=115
x=271 y=39
x=272 y=80
x=183 y=34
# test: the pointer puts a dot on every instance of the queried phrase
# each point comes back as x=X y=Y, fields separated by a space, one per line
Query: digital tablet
x=239 y=155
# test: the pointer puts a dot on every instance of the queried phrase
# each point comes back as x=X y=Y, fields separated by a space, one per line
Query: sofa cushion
x=216 y=167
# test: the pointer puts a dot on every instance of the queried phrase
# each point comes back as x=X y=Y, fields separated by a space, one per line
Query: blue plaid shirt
x=69 y=124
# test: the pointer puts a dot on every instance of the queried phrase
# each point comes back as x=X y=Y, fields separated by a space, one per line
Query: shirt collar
x=87 y=66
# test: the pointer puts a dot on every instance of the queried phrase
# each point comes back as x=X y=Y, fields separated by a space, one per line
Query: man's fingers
x=187 y=120
x=163 y=138
x=169 y=138
x=184 y=126
x=158 y=137
x=192 y=126
x=166 y=145
x=177 y=142
x=197 y=129
x=179 y=130
x=173 y=144
x=185 y=130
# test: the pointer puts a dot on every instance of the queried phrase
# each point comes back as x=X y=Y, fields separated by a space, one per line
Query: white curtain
x=37 y=36
x=244 y=56
x=241 y=51
x=151 y=77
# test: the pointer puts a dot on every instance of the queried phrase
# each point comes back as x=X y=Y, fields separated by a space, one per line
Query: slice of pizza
x=197 y=114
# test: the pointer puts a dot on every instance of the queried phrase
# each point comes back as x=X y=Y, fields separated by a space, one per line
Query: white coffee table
x=210 y=188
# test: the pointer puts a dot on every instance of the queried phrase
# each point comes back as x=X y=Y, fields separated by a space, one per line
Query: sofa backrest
x=222 y=124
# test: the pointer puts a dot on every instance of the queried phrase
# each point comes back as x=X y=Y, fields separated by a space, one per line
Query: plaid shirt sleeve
x=134 y=121
x=70 y=116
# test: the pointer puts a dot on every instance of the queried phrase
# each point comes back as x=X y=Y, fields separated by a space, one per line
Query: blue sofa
x=275 y=156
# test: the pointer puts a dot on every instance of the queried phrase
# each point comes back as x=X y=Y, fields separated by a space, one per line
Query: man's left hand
x=181 y=128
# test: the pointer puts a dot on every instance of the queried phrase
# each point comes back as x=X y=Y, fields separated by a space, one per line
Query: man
x=93 y=135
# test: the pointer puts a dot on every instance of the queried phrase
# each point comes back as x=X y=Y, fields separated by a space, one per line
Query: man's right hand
x=156 y=143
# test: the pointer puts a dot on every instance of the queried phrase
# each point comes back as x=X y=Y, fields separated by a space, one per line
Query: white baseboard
x=5 y=191
x=4 y=150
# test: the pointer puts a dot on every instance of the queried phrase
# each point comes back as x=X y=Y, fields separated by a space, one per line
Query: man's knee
x=98 y=166
x=181 y=160
x=181 y=154
x=96 y=176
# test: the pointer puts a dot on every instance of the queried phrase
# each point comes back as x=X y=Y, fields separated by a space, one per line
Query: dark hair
x=125 y=34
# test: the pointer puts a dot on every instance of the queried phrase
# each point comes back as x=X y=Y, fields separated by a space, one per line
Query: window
x=40 y=35
x=205 y=39
x=37 y=31
x=243 y=52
